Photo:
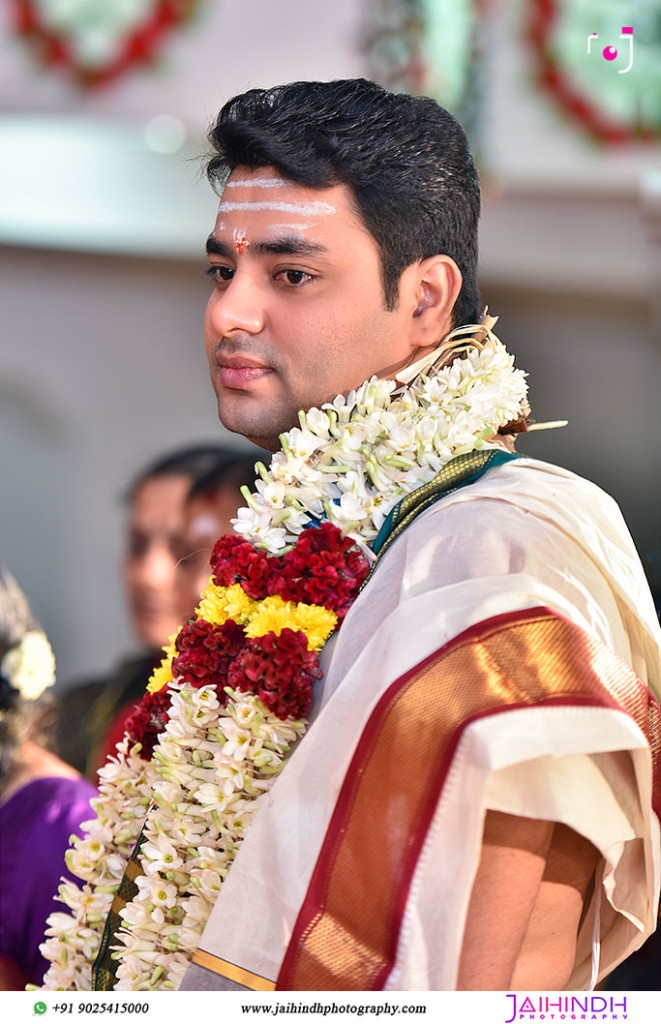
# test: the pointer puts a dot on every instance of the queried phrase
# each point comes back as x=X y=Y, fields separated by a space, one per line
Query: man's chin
x=155 y=635
x=260 y=430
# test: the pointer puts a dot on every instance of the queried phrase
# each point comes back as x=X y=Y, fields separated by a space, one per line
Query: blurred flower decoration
x=394 y=40
x=431 y=48
x=30 y=666
x=601 y=63
x=97 y=43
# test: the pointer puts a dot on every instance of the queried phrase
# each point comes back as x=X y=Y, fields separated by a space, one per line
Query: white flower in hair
x=30 y=666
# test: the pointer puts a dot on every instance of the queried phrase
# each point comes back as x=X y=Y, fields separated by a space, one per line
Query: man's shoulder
x=528 y=473
x=86 y=706
x=540 y=489
x=136 y=667
x=516 y=526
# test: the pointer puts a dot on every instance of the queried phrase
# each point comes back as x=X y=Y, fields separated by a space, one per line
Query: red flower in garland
x=234 y=560
x=148 y=721
x=323 y=568
x=280 y=670
x=205 y=653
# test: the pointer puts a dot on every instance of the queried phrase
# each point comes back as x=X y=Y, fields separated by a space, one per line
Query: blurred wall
x=104 y=369
x=225 y=48
x=102 y=362
x=571 y=261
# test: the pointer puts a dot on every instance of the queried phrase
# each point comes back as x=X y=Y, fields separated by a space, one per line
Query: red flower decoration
x=234 y=560
x=148 y=721
x=280 y=670
x=205 y=652
x=140 y=43
x=583 y=107
x=323 y=568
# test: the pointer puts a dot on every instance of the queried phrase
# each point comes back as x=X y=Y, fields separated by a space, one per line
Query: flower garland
x=30 y=666
x=229 y=700
x=352 y=460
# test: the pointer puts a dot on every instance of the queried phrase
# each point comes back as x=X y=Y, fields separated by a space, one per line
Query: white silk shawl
x=525 y=535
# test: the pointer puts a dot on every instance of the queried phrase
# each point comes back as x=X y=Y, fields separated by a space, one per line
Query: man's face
x=297 y=312
x=205 y=520
x=154 y=546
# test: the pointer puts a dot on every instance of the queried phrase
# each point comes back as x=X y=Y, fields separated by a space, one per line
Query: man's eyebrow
x=216 y=248
x=290 y=245
x=287 y=245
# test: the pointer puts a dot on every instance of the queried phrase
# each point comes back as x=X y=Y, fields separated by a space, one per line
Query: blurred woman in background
x=93 y=712
x=42 y=799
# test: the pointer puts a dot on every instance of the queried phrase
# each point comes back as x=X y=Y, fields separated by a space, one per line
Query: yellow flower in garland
x=273 y=615
x=162 y=675
x=316 y=622
x=218 y=604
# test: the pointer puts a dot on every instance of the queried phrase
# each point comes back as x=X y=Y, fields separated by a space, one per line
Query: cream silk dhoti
x=499 y=659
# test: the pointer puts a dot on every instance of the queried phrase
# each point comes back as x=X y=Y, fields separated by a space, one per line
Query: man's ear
x=436 y=283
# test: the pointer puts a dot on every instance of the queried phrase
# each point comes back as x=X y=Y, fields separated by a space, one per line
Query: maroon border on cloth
x=315 y=901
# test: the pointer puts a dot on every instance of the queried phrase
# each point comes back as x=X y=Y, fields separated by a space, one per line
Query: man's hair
x=228 y=474
x=194 y=461
x=405 y=159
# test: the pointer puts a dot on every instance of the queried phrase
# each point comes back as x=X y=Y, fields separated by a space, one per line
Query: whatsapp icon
x=40 y=1008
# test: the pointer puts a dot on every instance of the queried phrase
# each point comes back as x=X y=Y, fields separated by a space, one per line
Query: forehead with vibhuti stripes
x=273 y=194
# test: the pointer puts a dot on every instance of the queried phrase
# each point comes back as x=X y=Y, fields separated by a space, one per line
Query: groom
x=471 y=806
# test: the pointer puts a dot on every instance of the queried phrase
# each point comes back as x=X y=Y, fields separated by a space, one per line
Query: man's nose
x=239 y=307
x=156 y=568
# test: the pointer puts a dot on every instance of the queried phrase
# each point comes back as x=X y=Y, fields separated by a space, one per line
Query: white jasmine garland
x=222 y=762
x=350 y=462
x=353 y=459
x=202 y=785
x=98 y=858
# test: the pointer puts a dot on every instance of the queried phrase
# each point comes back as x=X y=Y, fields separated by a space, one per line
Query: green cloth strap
x=104 y=968
x=462 y=470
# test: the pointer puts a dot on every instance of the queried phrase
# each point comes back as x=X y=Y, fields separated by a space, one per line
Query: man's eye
x=137 y=545
x=219 y=274
x=293 y=277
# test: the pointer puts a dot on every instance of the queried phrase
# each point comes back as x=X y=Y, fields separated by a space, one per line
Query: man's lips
x=237 y=371
x=146 y=609
x=242 y=376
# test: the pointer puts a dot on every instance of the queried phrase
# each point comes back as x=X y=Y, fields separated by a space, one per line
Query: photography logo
x=610 y=53
x=553 y=1008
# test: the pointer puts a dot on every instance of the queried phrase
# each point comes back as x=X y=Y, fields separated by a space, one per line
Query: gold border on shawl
x=133 y=870
x=231 y=971
x=346 y=933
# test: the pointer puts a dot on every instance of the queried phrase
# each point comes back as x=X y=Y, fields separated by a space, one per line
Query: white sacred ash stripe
x=294 y=228
x=306 y=209
x=258 y=183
